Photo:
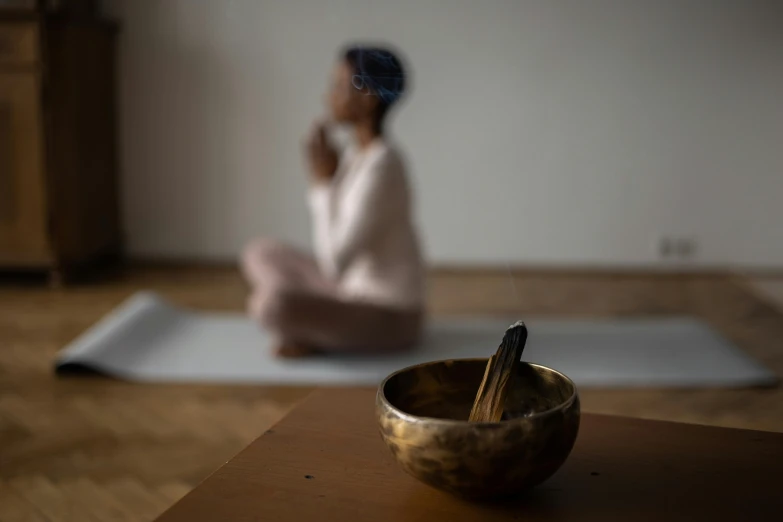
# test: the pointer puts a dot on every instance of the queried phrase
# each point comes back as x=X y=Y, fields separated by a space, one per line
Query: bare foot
x=290 y=350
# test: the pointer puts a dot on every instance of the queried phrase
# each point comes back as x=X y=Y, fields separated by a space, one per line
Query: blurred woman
x=364 y=290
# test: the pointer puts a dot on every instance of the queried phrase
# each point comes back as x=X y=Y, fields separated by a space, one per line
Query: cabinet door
x=23 y=218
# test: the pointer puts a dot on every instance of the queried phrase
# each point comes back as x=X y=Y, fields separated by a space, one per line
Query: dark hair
x=379 y=72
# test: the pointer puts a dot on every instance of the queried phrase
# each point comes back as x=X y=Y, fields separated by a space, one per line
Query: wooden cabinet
x=23 y=235
x=59 y=206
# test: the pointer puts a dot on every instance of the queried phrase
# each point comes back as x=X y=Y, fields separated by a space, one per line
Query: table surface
x=326 y=461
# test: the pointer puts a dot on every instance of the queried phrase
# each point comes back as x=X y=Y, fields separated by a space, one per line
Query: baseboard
x=578 y=269
x=488 y=269
x=179 y=262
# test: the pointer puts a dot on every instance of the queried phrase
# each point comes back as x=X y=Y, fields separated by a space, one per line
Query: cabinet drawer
x=18 y=44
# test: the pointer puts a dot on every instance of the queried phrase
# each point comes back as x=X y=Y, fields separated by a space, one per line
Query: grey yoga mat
x=147 y=339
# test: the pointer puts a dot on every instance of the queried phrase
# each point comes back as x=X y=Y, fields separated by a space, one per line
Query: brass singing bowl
x=423 y=415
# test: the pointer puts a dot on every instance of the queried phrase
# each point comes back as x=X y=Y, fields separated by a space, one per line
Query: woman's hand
x=321 y=155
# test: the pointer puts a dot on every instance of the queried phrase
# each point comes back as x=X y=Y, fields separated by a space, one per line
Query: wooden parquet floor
x=100 y=450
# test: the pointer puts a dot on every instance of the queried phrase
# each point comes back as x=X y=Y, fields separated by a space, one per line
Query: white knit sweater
x=364 y=235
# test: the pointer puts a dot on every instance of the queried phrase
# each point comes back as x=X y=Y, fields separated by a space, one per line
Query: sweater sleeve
x=319 y=199
x=345 y=227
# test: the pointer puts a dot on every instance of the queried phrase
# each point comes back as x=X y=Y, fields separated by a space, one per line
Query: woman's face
x=347 y=103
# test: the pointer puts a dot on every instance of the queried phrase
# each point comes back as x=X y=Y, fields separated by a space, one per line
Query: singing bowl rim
x=409 y=417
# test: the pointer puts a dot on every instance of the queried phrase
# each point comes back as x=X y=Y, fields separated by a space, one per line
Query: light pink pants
x=296 y=302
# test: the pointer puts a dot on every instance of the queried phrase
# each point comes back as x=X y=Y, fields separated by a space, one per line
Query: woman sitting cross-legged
x=364 y=290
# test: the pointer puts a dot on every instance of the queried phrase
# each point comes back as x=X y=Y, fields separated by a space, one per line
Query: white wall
x=557 y=131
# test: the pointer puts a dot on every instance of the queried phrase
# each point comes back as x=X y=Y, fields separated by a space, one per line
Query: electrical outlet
x=685 y=248
x=665 y=247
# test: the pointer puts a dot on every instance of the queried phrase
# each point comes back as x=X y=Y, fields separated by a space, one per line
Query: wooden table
x=326 y=461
